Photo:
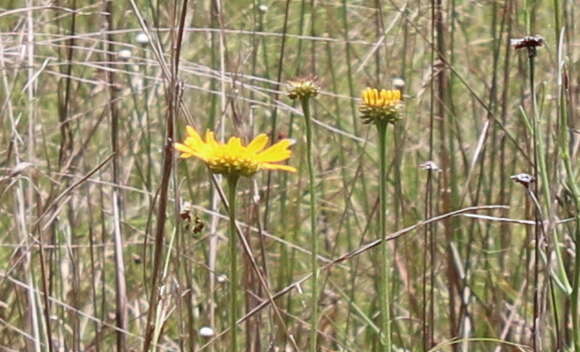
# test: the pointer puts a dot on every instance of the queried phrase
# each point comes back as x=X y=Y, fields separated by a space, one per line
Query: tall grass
x=109 y=242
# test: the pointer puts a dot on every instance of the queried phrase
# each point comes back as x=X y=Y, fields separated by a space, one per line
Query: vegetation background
x=103 y=229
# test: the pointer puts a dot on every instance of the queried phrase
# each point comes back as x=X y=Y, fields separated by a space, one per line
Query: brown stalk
x=442 y=98
x=66 y=135
x=275 y=99
x=120 y=280
x=172 y=97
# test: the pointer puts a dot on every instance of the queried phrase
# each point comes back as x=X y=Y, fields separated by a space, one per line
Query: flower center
x=228 y=163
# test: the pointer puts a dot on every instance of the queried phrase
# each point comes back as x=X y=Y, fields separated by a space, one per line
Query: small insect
x=186 y=217
x=185 y=213
x=199 y=225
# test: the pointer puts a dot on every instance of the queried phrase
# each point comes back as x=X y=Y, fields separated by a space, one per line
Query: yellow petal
x=366 y=95
x=278 y=167
x=210 y=139
x=188 y=152
x=182 y=148
x=385 y=95
x=192 y=133
x=258 y=144
x=277 y=152
x=234 y=142
x=374 y=96
x=192 y=142
x=234 y=147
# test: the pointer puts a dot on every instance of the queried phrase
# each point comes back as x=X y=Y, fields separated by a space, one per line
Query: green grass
x=83 y=126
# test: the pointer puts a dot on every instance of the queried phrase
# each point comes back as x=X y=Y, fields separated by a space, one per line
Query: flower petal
x=234 y=142
x=192 y=133
x=186 y=152
x=233 y=156
x=397 y=95
x=278 y=167
x=258 y=144
x=210 y=139
x=192 y=142
x=368 y=96
x=182 y=148
x=277 y=152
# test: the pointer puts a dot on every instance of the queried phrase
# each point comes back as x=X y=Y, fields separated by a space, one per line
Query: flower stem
x=232 y=183
x=535 y=326
x=572 y=185
x=313 y=237
x=384 y=280
x=575 y=297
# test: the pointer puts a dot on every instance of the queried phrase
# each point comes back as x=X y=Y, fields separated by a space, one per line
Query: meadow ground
x=110 y=241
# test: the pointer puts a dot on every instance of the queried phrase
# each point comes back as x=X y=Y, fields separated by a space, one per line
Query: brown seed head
x=303 y=88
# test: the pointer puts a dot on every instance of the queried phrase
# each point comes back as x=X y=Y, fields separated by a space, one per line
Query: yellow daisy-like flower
x=232 y=158
x=383 y=105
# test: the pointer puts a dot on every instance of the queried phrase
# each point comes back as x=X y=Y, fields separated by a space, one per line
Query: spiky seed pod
x=303 y=88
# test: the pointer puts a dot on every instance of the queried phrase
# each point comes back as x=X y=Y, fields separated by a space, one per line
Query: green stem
x=572 y=185
x=575 y=298
x=535 y=131
x=384 y=280
x=575 y=295
x=232 y=183
x=565 y=126
x=313 y=237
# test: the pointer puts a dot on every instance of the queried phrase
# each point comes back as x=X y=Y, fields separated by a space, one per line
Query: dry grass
x=108 y=241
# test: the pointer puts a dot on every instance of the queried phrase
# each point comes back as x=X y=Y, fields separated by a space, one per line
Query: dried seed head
x=125 y=54
x=206 y=331
x=531 y=41
x=524 y=179
x=142 y=38
x=303 y=88
x=398 y=83
x=430 y=165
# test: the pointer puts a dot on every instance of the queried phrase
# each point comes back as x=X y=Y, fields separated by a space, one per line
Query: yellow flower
x=232 y=158
x=383 y=105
